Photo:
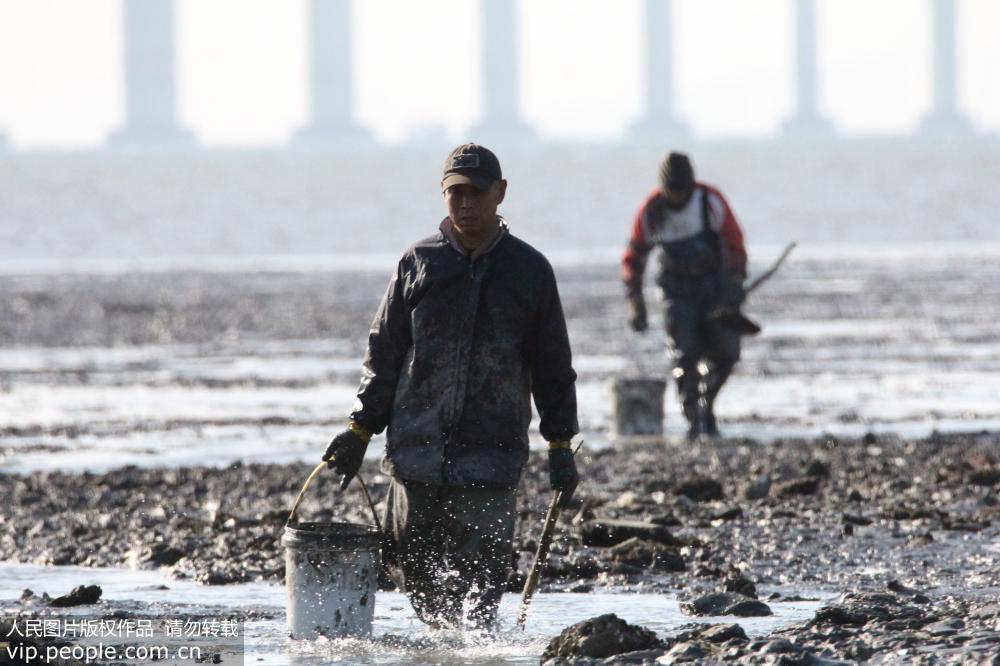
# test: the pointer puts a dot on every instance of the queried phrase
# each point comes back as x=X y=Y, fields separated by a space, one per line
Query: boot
x=693 y=416
x=711 y=427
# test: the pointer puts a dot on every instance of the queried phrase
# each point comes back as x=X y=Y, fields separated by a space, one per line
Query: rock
x=161 y=555
x=81 y=595
x=665 y=519
x=851 y=519
x=27 y=594
x=728 y=514
x=637 y=657
x=701 y=489
x=609 y=532
x=758 y=488
x=726 y=603
x=627 y=500
x=920 y=539
x=948 y=627
x=778 y=646
x=985 y=476
x=741 y=585
x=683 y=652
x=600 y=637
x=793 y=487
x=818 y=468
x=915 y=595
x=640 y=553
x=721 y=633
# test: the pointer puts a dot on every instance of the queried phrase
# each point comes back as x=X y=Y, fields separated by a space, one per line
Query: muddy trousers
x=694 y=339
x=454 y=546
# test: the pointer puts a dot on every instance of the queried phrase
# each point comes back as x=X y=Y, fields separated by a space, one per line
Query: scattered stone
x=851 y=519
x=81 y=595
x=759 y=488
x=915 y=595
x=684 y=652
x=728 y=514
x=600 y=637
x=778 y=646
x=701 y=489
x=818 y=468
x=161 y=555
x=793 y=487
x=985 y=476
x=948 y=627
x=640 y=553
x=725 y=603
x=920 y=540
x=665 y=519
x=741 y=585
x=609 y=532
x=722 y=633
x=27 y=594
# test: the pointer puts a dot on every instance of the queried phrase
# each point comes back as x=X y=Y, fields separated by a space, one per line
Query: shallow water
x=398 y=636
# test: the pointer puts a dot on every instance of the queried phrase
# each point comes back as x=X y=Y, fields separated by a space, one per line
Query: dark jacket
x=455 y=352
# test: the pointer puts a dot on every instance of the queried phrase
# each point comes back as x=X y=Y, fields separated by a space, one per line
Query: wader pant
x=454 y=546
x=694 y=338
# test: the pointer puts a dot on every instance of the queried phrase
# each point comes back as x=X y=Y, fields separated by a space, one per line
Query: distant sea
x=878 y=193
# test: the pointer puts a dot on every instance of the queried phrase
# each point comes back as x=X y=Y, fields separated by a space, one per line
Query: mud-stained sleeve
x=389 y=340
x=637 y=251
x=553 y=380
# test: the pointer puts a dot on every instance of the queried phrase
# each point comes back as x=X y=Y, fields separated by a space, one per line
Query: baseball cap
x=472 y=164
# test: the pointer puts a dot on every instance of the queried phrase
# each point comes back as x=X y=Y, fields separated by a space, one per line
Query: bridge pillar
x=806 y=120
x=331 y=81
x=501 y=82
x=150 y=86
x=659 y=121
x=944 y=117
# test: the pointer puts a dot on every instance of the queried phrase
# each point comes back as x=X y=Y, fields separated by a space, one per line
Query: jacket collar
x=448 y=231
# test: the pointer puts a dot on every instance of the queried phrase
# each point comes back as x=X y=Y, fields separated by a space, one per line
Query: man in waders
x=469 y=330
x=702 y=269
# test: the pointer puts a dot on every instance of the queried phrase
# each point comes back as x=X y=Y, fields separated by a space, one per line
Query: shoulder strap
x=706 y=211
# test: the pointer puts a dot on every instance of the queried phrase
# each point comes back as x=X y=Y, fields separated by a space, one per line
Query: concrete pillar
x=944 y=117
x=659 y=120
x=806 y=119
x=501 y=83
x=150 y=87
x=331 y=83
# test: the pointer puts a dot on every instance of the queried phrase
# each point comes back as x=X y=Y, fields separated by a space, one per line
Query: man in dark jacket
x=702 y=268
x=470 y=328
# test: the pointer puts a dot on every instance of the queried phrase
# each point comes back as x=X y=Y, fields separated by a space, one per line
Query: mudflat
x=907 y=531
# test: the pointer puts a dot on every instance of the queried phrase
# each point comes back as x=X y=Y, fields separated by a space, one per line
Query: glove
x=562 y=471
x=733 y=293
x=637 y=320
x=346 y=451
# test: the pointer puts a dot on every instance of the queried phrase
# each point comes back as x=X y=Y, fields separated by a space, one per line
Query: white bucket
x=331 y=574
x=638 y=406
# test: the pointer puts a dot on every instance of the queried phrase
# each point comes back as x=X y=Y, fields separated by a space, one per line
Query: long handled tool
x=541 y=554
x=757 y=281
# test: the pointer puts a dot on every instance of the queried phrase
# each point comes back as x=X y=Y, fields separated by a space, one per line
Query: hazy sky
x=242 y=78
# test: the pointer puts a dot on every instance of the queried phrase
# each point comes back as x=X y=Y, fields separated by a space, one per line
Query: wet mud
x=906 y=531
